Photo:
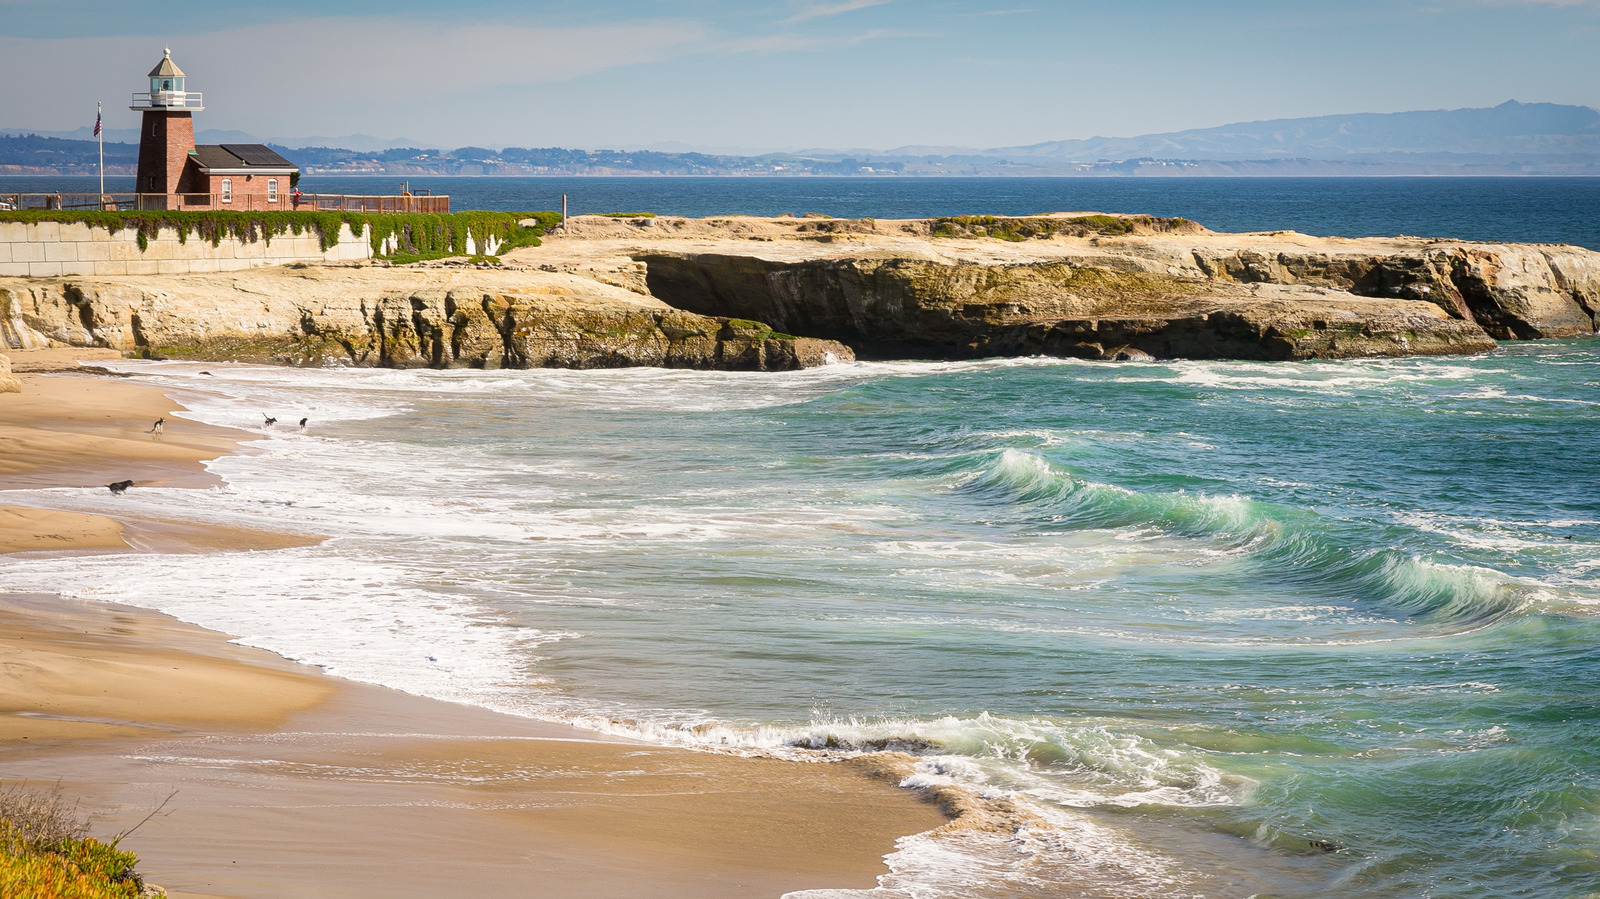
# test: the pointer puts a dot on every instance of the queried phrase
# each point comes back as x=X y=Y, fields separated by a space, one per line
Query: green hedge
x=420 y=236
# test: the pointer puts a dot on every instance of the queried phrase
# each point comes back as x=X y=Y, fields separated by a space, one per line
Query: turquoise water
x=1192 y=628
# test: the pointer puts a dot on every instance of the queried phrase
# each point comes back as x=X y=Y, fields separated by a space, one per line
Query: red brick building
x=176 y=174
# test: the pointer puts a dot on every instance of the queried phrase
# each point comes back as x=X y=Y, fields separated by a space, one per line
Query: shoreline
x=290 y=782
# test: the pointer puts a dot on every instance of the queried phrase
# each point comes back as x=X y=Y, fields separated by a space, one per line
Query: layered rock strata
x=716 y=293
x=888 y=308
x=1097 y=286
x=396 y=317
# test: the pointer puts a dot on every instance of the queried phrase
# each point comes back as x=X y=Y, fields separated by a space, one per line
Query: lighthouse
x=176 y=174
x=166 y=136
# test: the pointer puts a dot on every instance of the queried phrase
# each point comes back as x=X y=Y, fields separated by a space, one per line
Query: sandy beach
x=280 y=781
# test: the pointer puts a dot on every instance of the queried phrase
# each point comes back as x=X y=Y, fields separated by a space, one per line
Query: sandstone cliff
x=715 y=293
x=904 y=307
x=1106 y=287
x=441 y=316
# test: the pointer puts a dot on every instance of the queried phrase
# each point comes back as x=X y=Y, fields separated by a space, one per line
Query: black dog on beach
x=119 y=487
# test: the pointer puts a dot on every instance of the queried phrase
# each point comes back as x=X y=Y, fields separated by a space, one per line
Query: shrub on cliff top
x=1025 y=228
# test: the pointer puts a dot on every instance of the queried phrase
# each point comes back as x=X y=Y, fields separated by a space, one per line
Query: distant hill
x=1510 y=132
x=1509 y=139
x=30 y=154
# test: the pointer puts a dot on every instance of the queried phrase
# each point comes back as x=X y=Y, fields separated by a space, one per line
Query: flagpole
x=98 y=111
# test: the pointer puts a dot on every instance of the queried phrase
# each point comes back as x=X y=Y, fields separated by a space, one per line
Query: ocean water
x=1530 y=210
x=1178 y=629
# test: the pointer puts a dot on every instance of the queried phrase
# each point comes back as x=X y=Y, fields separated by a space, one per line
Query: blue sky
x=787 y=73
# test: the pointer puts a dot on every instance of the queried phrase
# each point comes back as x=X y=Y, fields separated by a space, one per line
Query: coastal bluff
x=778 y=294
x=435 y=315
x=1104 y=287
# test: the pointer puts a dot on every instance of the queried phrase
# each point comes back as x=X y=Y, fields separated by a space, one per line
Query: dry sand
x=287 y=783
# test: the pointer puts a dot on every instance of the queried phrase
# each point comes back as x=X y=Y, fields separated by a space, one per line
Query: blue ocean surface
x=1222 y=629
x=1533 y=210
x=1184 y=628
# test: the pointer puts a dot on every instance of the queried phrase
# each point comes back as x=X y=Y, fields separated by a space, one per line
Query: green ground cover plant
x=416 y=235
x=46 y=852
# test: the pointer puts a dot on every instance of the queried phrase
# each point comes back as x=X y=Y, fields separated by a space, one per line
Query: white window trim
x=227 y=190
x=272 y=190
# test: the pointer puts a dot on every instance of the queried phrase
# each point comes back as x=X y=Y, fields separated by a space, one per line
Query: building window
x=227 y=190
x=152 y=185
x=153 y=128
x=272 y=190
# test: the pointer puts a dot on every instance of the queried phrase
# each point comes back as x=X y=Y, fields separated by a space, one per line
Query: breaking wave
x=1291 y=546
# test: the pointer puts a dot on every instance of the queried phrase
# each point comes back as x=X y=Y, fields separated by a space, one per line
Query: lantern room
x=167 y=89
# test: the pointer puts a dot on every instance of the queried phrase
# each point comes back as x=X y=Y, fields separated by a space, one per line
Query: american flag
x=96 y=124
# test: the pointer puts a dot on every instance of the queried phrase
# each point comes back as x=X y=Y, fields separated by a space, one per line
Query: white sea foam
x=432 y=537
x=358 y=620
x=1331 y=378
x=1039 y=858
x=388 y=391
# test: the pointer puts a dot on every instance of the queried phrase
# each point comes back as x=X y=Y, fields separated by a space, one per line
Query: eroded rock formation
x=1144 y=286
x=889 y=308
x=399 y=318
x=715 y=293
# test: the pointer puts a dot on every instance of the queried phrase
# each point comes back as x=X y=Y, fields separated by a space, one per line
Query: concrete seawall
x=68 y=249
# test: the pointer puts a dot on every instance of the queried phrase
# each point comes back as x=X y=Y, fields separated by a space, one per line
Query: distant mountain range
x=1510 y=139
x=1510 y=131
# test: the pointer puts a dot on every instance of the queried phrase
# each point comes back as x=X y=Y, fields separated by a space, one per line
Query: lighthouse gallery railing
x=167 y=100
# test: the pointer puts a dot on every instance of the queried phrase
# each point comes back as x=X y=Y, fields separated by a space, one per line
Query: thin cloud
x=824 y=10
x=266 y=73
x=791 y=43
x=996 y=12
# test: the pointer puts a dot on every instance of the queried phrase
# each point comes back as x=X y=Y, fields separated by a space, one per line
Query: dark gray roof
x=257 y=154
x=240 y=156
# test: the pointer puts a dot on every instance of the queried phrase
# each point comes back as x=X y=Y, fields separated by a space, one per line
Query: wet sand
x=86 y=432
x=286 y=783
x=90 y=431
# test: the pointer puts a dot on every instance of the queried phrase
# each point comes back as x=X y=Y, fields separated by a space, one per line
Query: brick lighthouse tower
x=166 y=136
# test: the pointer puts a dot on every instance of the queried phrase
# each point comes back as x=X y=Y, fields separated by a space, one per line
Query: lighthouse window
x=152 y=129
x=272 y=190
x=227 y=190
